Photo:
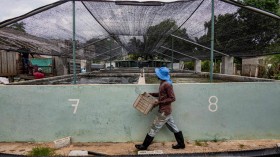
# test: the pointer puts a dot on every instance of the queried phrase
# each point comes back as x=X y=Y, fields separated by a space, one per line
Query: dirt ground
x=129 y=149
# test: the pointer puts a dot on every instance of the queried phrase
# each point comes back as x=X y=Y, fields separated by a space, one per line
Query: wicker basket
x=144 y=103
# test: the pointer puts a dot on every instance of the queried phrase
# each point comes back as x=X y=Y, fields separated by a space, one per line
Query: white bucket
x=62 y=142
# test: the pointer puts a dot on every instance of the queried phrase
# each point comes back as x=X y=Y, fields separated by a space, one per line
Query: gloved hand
x=156 y=103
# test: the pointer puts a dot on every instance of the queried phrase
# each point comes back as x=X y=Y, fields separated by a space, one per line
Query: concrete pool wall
x=104 y=113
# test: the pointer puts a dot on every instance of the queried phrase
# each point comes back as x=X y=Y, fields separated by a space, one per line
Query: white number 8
x=214 y=104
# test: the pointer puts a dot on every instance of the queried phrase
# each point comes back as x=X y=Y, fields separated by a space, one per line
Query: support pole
x=110 y=54
x=212 y=43
x=172 y=53
x=74 y=45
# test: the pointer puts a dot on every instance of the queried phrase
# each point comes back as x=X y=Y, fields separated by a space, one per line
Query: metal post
x=212 y=43
x=110 y=54
x=172 y=53
x=74 y=45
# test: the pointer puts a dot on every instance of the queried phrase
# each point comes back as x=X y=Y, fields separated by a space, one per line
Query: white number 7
x=75 y=105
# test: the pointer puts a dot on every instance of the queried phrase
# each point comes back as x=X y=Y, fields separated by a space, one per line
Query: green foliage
x=262 y=72
x=151 y=38
x=143 y=57
x=274 y=59
x=137 y=45
x=274 y=70
x=152 y=80
x=217 y=139
x=205 y=66
x=96 y=61
x=155 y=34
x=18 y=26
x=270 y=68
x=268 y=5
x=189 y=65
x=237 y=60
x=134 y=56
x=42 y=151
x=217 y=65
x=178 y=44
x=246 y=31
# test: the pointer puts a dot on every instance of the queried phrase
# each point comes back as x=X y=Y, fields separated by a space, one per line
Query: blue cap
x=163 y=74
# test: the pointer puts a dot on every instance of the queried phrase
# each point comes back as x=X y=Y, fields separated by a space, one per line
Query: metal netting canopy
x=157 y=28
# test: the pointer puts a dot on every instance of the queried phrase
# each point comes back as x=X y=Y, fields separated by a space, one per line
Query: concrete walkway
x=142 y=77
x=127 y=148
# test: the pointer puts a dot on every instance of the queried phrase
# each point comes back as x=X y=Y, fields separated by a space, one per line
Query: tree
x=246 y=31
x=18 y=26
x=268 y=5
x=156 y=34
x=136 y=45
x=154 y=37
x=264 y=31
x=269 y=38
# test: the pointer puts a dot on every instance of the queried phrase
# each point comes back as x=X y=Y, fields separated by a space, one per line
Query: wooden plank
x=137 y=100
x=144 y=103
x=4 y=63
x=1 y=62
x=9 y=63
x=14 y=64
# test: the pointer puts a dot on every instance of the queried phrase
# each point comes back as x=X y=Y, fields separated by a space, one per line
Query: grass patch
x=152 y=80
x=241 y=145
x=201 y=143
x=217 y=139
x=42 y=151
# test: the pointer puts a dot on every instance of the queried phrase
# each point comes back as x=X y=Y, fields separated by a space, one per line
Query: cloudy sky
x=13 y=8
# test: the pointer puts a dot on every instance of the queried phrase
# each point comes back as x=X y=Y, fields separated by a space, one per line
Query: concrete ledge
x=48 y=79
x=236 y=78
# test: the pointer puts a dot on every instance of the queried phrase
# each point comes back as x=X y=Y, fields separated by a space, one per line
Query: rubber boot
x=180 y=140
x=148 y=140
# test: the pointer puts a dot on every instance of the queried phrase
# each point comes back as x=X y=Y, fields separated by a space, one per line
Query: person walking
x=165 y=97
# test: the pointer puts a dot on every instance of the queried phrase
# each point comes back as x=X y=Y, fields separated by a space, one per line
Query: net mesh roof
x=114 y=29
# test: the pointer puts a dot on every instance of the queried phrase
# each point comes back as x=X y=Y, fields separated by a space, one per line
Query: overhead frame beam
x=112 y=35
x=252 y=9
x=162 y=39
x=198 y=44
x=31 y=13
x=111 y=57
x=107 y=52
x=136 y=3
x=179 y=53
x=94 y=42
x=52 y=53
x=167 y=55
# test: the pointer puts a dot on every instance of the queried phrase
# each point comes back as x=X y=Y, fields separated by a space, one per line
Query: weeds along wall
x=104 y=113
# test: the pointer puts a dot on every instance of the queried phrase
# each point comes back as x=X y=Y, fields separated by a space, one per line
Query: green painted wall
x=105 y=112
